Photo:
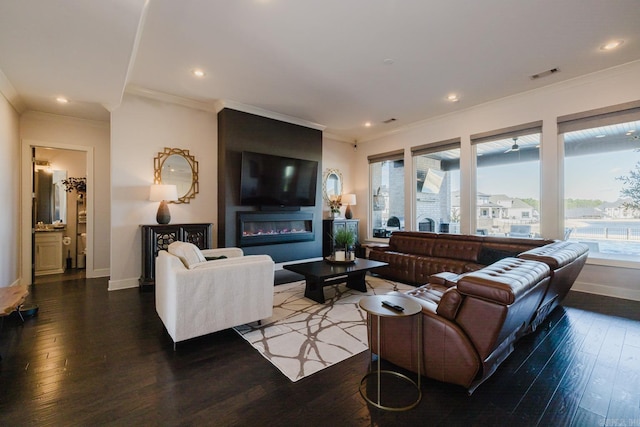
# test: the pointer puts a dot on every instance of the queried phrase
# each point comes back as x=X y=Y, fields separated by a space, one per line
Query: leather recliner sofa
x=413 y=256
x=472 y=317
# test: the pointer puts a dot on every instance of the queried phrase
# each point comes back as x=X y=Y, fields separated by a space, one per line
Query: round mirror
x=178 y=167
x=332 y=184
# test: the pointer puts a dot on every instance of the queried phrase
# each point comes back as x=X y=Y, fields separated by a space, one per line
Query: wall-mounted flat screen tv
x=268 y=180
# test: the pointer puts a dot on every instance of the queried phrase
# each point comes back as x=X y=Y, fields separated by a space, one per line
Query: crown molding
x=41 y=115
x=569 y=83
x=339 y=138
x=172 y=99
x=10 y=92
x=233 y=105
x=217 y=105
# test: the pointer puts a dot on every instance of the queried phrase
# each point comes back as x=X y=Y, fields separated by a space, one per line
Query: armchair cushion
x=188 y=253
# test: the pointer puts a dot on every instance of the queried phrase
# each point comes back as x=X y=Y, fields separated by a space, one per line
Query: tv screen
x=268 y=180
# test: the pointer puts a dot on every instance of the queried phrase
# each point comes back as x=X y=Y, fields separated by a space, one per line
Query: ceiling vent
x=391 y=120
x=545 y=73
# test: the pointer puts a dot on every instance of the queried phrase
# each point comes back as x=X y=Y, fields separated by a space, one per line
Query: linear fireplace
x=268 y=228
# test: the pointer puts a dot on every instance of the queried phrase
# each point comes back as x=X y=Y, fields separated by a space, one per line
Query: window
x=601 y=169
x=437 y=192
x=508 y=181
x=386 y=173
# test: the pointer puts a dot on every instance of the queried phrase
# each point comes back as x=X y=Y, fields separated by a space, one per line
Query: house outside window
x=601 y=170
x=437 y=191
x=386 y=175
x=508 y=181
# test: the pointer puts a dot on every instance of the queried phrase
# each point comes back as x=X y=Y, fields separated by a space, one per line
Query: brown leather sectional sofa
x=479 y=303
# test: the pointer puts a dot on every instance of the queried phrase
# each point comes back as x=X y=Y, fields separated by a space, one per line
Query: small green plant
x=344 y=238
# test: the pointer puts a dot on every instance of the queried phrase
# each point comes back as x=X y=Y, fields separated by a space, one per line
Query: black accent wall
x=239 y=131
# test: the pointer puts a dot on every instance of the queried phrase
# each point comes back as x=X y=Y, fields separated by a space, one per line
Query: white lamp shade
x=160 y=192
x=348 y=199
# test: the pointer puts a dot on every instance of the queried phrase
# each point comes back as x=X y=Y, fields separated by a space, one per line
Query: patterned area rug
x=303 y=337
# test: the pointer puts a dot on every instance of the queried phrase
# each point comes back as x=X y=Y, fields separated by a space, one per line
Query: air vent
x=545 y=73
x=391 y=120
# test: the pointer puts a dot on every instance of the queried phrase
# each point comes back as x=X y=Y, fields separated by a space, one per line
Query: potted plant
x=344 y=239
x=335 y=202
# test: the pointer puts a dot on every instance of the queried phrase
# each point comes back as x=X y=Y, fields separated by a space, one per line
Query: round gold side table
x=374 y=307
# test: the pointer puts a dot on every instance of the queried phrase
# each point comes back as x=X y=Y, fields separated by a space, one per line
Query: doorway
x=56 y=224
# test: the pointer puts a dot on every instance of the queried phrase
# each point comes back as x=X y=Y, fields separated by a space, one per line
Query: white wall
x=340 y=155
x=140 y=129
x=60 y=131
x=610 y=87
x=9 y=194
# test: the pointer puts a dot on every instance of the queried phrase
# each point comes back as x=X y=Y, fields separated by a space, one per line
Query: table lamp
x=349 y=200
x=163 y=193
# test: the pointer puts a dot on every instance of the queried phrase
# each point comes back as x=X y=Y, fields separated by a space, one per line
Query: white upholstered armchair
x=196 y=296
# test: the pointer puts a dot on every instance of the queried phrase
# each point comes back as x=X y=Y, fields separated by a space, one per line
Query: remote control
x=392 y=306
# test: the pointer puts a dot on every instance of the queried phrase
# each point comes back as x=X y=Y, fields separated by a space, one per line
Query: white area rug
x=303 y=337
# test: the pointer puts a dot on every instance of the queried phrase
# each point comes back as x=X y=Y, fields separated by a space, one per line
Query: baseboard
x=116 y=285
x=101 y=272
x=609 y=291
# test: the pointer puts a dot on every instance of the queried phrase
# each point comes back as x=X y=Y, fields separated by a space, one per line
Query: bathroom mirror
x=331 y=184
x=176 y=166
x=51 y=197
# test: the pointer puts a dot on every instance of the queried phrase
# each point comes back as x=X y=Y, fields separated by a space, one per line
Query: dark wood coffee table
x=319 y=274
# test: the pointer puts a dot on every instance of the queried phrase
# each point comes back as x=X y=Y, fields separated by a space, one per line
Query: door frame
x=26 y=200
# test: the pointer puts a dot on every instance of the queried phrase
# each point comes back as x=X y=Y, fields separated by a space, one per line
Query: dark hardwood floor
x=93 y=357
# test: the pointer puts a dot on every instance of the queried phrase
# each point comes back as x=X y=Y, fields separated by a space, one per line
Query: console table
x=159 y=236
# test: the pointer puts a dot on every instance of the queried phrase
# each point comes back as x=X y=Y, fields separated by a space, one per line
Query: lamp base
x=163 y=216
x=347 y=213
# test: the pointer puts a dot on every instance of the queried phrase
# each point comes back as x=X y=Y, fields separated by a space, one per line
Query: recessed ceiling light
x=198 y=72
x=453 y=97
x=62 y=100
x=600 y=136
x=612 y=45
x=630 y=132
x=367 y=124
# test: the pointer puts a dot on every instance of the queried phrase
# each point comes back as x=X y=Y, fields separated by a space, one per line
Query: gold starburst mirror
x=178 y=167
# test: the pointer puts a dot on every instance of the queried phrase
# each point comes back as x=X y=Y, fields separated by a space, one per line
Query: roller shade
x=615 y=114
x=390 y=156
x=510 y=132
x=450 y=144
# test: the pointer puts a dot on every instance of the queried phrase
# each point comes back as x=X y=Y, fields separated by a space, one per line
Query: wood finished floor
x=93 y=357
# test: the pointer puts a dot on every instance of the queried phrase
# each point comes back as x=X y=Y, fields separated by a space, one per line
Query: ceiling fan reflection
x=515 y=146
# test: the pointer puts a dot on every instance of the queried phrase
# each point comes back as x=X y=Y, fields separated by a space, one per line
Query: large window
x=437 y=191
x=508 y=181
x=602 y=183
x=386 y=172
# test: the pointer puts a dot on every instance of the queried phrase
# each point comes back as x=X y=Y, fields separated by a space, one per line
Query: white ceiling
x=321 y=61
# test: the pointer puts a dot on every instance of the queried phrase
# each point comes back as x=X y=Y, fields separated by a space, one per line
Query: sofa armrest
x=445 y=278
x=228 y=252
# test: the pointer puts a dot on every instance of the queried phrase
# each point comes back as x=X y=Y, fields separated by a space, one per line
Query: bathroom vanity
x=49 y=258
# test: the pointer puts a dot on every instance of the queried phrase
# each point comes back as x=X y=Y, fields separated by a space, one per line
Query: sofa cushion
x=188 y=253
x=504 y=281
x=556 y=255
x=457 y=247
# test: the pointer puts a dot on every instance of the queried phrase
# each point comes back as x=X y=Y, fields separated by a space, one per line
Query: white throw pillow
x=188 y=253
